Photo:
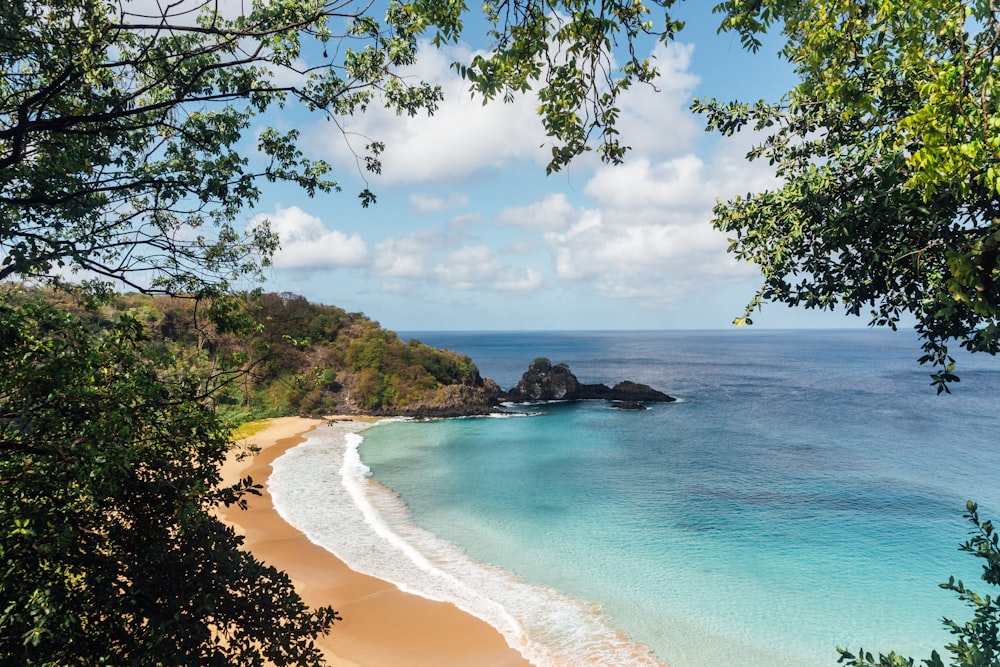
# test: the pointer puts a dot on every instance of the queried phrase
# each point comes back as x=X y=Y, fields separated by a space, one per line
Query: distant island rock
x=628 y=405
x=544 y=381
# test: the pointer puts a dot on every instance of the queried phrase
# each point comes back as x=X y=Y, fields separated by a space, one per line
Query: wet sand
x=382 y=626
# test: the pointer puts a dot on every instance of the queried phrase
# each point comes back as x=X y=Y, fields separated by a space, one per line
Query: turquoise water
x=806 y=492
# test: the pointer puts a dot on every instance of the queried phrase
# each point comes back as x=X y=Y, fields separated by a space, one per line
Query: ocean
x=805 y=492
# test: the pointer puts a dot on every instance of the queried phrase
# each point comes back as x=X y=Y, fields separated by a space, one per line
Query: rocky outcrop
x=628 y=405
x=627 y=391
x=544 y=381
x=462 y=400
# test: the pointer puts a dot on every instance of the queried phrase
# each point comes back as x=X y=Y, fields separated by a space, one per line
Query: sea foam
x=323 y=488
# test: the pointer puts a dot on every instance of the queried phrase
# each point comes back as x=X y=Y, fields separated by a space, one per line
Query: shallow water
x=806 y=492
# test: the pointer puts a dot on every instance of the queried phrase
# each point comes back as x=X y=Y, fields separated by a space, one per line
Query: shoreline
x=382 y=626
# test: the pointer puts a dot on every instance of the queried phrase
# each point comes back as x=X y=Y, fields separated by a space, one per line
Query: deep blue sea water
x=805 y=492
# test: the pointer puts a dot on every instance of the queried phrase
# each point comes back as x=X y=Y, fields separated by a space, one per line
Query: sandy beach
x=382 y=626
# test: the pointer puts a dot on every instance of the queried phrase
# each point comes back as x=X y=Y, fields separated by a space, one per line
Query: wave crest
x=323 y=488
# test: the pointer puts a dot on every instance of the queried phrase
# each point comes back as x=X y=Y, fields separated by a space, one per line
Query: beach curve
x=383 y=626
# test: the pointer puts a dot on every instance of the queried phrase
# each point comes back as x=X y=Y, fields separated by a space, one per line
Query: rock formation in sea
x=628 y=405
x=544 y=381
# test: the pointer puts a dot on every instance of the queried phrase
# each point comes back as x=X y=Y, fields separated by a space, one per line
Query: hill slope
x=279 y=354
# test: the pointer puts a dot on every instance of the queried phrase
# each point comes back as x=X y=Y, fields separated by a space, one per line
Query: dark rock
x=629 y=405
x=627 y=390
x=544 y=381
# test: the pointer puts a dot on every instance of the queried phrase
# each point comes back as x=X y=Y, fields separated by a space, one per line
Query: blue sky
x=469 y=233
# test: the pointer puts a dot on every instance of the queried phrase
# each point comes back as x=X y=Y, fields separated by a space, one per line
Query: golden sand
x=382 y=626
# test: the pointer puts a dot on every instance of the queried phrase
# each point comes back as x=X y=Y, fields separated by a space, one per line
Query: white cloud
x=655 y=121
x=398 y=287
x=434 y=259
x=644 y=234
x=467 y=268
x=473 y=267
x=460 y=223
x=520 y=247
x=424 y=203
x=589 y=226
x=307 y=244
x=461 y=138
x=519 y=280
x=402 y=257
x=648 y=235
x=553 y=213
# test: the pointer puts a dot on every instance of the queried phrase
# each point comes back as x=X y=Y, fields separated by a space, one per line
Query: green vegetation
x=285 y=356
x=124 y=156
x=888 y=151
x=248 y=429
x=321 y=360
x=109 y=552
x=889 y=154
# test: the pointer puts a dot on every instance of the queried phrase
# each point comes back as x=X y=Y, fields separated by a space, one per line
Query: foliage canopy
x=299 y=358
x=125 y=126
x=129 y=149
x=109 y=470
x=887 y=150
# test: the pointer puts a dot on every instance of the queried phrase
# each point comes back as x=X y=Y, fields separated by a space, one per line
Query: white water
x=324 y=489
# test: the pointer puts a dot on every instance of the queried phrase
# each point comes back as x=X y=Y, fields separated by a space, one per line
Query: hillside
x=279 y=354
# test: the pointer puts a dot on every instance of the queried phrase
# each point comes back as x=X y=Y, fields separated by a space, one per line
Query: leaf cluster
x=110 y=552
x=573 y=47
x=124 y=136
x=320 y=360
x=887 y=151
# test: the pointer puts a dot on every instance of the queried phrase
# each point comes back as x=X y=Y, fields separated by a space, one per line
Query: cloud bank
x=483 y=218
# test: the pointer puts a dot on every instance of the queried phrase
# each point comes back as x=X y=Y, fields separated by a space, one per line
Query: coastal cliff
x=293 y=357
x=271 y=355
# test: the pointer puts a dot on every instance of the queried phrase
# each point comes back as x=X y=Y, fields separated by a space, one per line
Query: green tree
x=887 y=150
x=124 y=135
x=126 y=154
x=109 y=551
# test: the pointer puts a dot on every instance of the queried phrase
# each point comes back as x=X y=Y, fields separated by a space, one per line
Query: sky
x=470 y=234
